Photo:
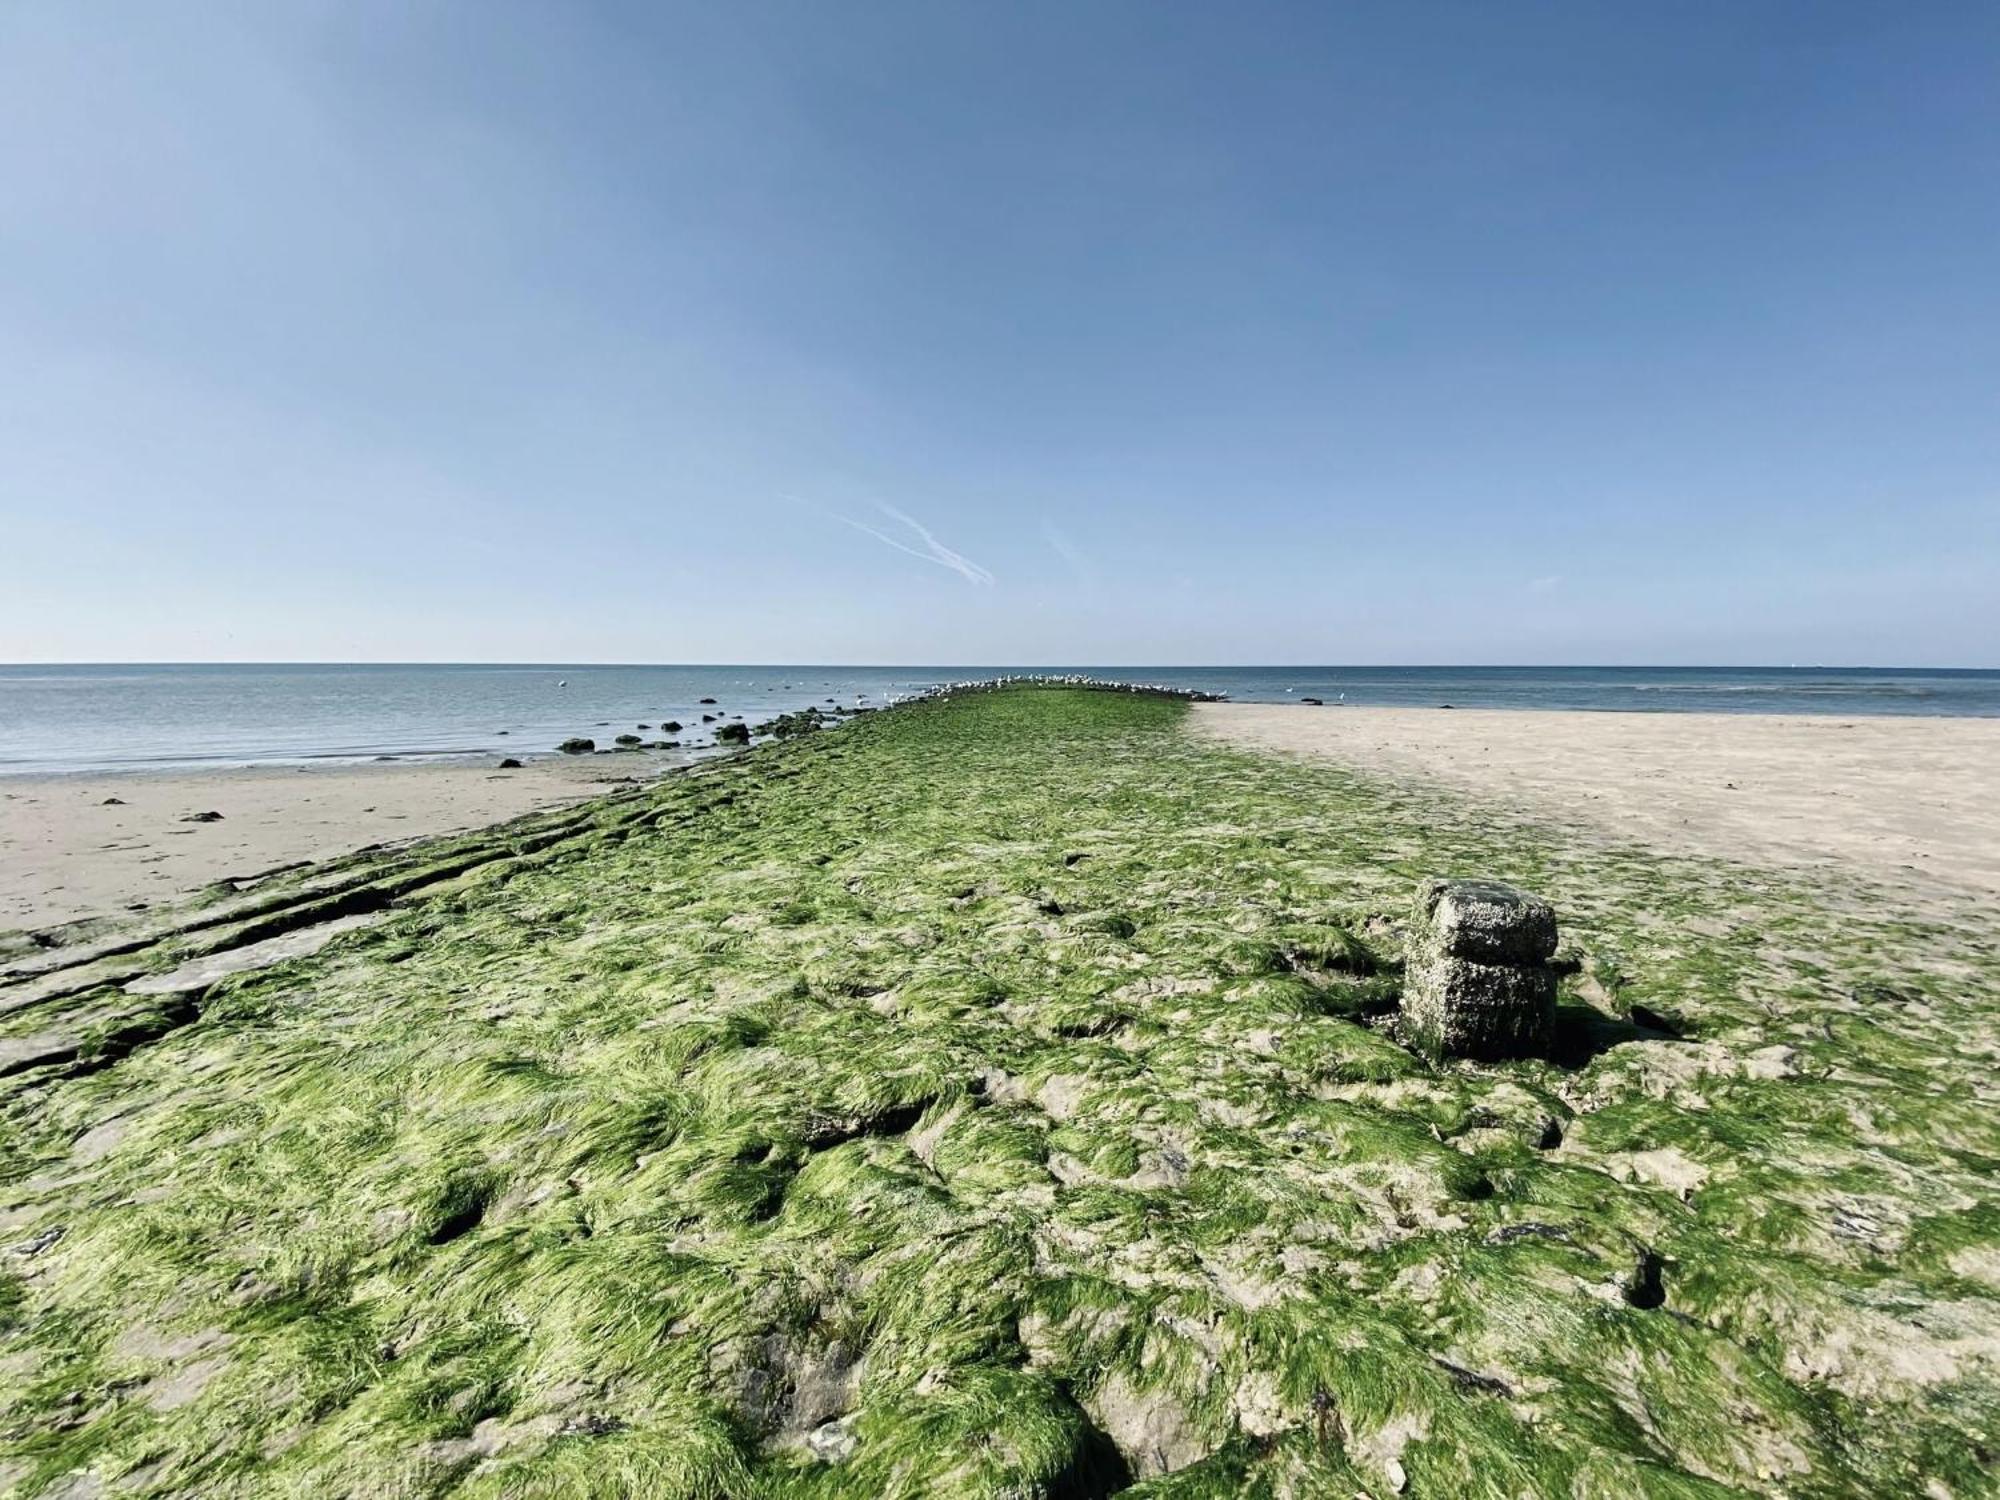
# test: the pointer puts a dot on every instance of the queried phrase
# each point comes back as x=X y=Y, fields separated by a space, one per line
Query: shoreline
x=187 y=717
x=1912 y=800
x=694 y=750
x=341 y=761
x=70 y=853
x=316 y=760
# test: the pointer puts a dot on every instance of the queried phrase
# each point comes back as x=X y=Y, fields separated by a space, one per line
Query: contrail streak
x=931 y=549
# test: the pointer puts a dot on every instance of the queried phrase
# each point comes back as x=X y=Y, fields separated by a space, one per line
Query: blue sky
x=1068 y=332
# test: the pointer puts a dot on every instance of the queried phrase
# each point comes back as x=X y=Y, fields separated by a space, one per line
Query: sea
x=155 y=717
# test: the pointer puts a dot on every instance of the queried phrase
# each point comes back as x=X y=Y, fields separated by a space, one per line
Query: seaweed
x=1000 y=1094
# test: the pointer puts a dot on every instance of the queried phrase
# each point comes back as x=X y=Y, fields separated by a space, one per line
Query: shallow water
x=77 y=718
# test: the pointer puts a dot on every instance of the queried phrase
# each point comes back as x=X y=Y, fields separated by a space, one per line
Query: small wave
x=1788 y=689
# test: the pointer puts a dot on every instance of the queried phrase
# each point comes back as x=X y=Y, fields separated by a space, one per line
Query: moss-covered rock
x=1477 y=981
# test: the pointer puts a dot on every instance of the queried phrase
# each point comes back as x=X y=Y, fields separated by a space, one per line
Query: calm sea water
x=78 y=718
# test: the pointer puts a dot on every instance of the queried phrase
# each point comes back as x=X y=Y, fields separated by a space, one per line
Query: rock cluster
x=1073 y=680
x=1478 y=982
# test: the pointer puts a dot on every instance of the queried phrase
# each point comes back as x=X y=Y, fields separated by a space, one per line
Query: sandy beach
x=1911 y=800
x=80 y=846
x=1903 y=799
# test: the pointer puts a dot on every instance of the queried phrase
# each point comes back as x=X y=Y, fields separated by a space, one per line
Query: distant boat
x=562 y=682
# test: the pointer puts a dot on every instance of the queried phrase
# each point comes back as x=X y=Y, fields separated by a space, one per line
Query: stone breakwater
x=786 y=726
x=1034 y=680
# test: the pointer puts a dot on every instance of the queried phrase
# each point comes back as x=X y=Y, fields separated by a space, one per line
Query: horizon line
x=1247 y=666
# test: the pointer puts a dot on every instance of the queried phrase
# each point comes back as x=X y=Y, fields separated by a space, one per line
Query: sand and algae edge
x=985 y=1098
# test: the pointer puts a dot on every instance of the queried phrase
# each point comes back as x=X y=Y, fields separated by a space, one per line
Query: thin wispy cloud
x=919 y=541
x=1070 y=553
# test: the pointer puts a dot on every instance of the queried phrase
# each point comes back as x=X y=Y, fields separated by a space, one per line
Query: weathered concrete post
x=1477 y=982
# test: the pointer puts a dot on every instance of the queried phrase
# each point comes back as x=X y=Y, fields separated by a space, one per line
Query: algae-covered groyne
x=1000 y=1095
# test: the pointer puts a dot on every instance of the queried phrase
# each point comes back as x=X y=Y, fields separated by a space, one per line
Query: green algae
x=994 y=1097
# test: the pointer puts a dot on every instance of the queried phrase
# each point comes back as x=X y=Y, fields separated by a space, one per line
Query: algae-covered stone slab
x=1485 y=920
x=1477 y=982
x=1460 y=1008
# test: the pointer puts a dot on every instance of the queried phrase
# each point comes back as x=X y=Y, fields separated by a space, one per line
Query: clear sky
x=1000 y=332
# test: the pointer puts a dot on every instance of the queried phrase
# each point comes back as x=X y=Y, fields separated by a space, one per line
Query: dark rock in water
x=503 y=731
x=577 y=746
x=203 y=817
x=645 y=726
x=628 y=740
x=1315 y=702
x=708 y=718
x=1477 y=981
x=733 y=734
x=603 y=724
x=112 y=802
x=510 y=764
x=708 y=700
x=787 y=726
x=1444 y=705
x=671 y=726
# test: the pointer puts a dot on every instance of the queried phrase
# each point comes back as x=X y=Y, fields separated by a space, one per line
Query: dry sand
x=1914 y=801
x=65 y=854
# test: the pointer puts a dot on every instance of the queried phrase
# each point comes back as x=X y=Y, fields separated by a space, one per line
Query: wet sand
x=67 y=852
x=1909 y=800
